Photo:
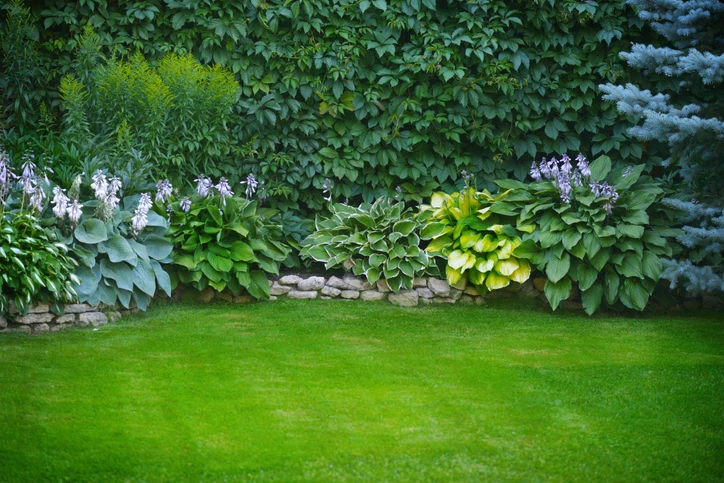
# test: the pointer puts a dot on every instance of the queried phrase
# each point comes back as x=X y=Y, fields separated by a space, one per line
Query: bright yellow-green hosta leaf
x=507 y=245
x=487 y=244
x=457 y=259
x=469 y=238
x=483 y=265
x=438 y=244
x=439 y=200
x=453 y=275
x=495 y=281
x=522 y=273
x=507 y=267
x=528 y=228
x=484 y=213
x=476 y=278
x=457 y=213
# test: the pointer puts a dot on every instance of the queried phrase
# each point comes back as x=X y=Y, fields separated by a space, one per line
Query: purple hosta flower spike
x=163 y=190
x=6 y=176
x=112 y=200
x=224 y=189
x=37 y=197
x=251 y=185
x=60 y=202
x=566 y=165
x=100 y=186
x=327 y=189
x=545 y=169
x=140 y=217
x=583 y=166
x=203 y=185
x=535 y=172
x=185 y=204
x=74 y=212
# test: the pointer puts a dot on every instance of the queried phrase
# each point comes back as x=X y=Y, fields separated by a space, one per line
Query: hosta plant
x=378 y=240
x=34 y=265
x=120 y=251
x=601 y=228
x=221 y=241
x=475 y=234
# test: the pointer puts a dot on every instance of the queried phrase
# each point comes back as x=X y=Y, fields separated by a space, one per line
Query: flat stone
x=114 y=316
x=273 y=298
x=302 y=294
x=425 y=301
x=350 y=294
x=39 y=309
x=513 y=287
x=3 y=322
x=324 y=297
x=93 y=318
x=419 y=282
x=709 y=301
x=243 y=299
x=35 y=319
x=331 y=291
x=226 y=296
x=290 y=280
x=357 y=283
x=425 y=293
x=59 y=327
x=65 y=319
x=40 y=328
x=444 y=300
x=479 y=300
x=372 y=295
x=206 y=295
x=382 y=286
x=466 y=300
x=539 y=283
x=527 y=287
x=339 y=284
x=311 y=283
x=462 y=283
x=279 y=289
x=77 y=308
x=471 y=290
x=25 y=329
x=439 y=287
x=455 y=294
x=406 y=298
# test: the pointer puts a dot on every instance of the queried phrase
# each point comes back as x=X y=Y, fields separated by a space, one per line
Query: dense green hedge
x=378 y=94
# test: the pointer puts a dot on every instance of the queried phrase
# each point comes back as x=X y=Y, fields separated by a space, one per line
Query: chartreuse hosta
x=378 y=240
x=601 y=228
x=475 y=233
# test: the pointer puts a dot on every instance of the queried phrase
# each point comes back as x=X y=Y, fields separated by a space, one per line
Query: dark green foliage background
x=377 y=94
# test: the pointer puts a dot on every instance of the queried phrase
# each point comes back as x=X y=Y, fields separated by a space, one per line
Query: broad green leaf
x=601 y=259
x=557 y=268
x=259 y=287
x=404 y=227
x=633 y=294
x=631 y=266
x=162 y=278
x=432 y=230
x=611 y=286
x=121 y=273
x=144 y=277
x=242 y=252
x=219 y=263
x=570 y=238
x=91 y=231
x=592 y=244
x=118 y=250
x=587 y=275
x=591 y=298
x=522 y=273
x=507 y=267
x=496 y=281
x=651 y=266
x=556 y=292
x=633 y=231
x=600 y=168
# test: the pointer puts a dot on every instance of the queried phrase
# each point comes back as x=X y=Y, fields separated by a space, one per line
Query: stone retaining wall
x=304 y=286
x=40 y=319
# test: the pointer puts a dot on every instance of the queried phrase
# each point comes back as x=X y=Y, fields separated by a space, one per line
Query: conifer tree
x=689 y=118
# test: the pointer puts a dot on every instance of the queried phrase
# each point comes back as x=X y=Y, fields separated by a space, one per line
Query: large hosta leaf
x=633 y=294
x=162 y=278
x=496 y=281
x=118 y=250
x=522 y=273
x=91 y=231
x=144 y=278
x=591 y=298
x=557 y=268
x=219 y=263
x=258 y=287
x=157 y=247
x=121 y=273
x=556 y=292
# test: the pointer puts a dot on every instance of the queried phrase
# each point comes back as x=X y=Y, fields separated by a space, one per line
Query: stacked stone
x=40 y=319
x=349 y=287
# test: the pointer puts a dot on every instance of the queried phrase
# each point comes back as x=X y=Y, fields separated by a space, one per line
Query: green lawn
x=335 y=391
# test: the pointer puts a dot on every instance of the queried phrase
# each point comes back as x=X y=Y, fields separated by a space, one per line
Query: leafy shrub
x=378 y=240
x=120 y=251
x=35 y=265
x=220 y=240
x=380 y=94
x=475 y=234
x=604 y=229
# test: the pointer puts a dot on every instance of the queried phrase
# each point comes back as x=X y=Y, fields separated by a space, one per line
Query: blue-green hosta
x=604 y=229
x=475 y=233
x=222 y=241
x=34 y=265
x=379 y=241
x=120 y=251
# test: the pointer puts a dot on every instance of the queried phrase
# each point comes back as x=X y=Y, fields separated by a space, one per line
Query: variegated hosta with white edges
x=475 y=232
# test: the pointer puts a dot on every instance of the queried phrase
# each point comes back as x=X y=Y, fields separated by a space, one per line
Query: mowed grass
x=348 y=391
